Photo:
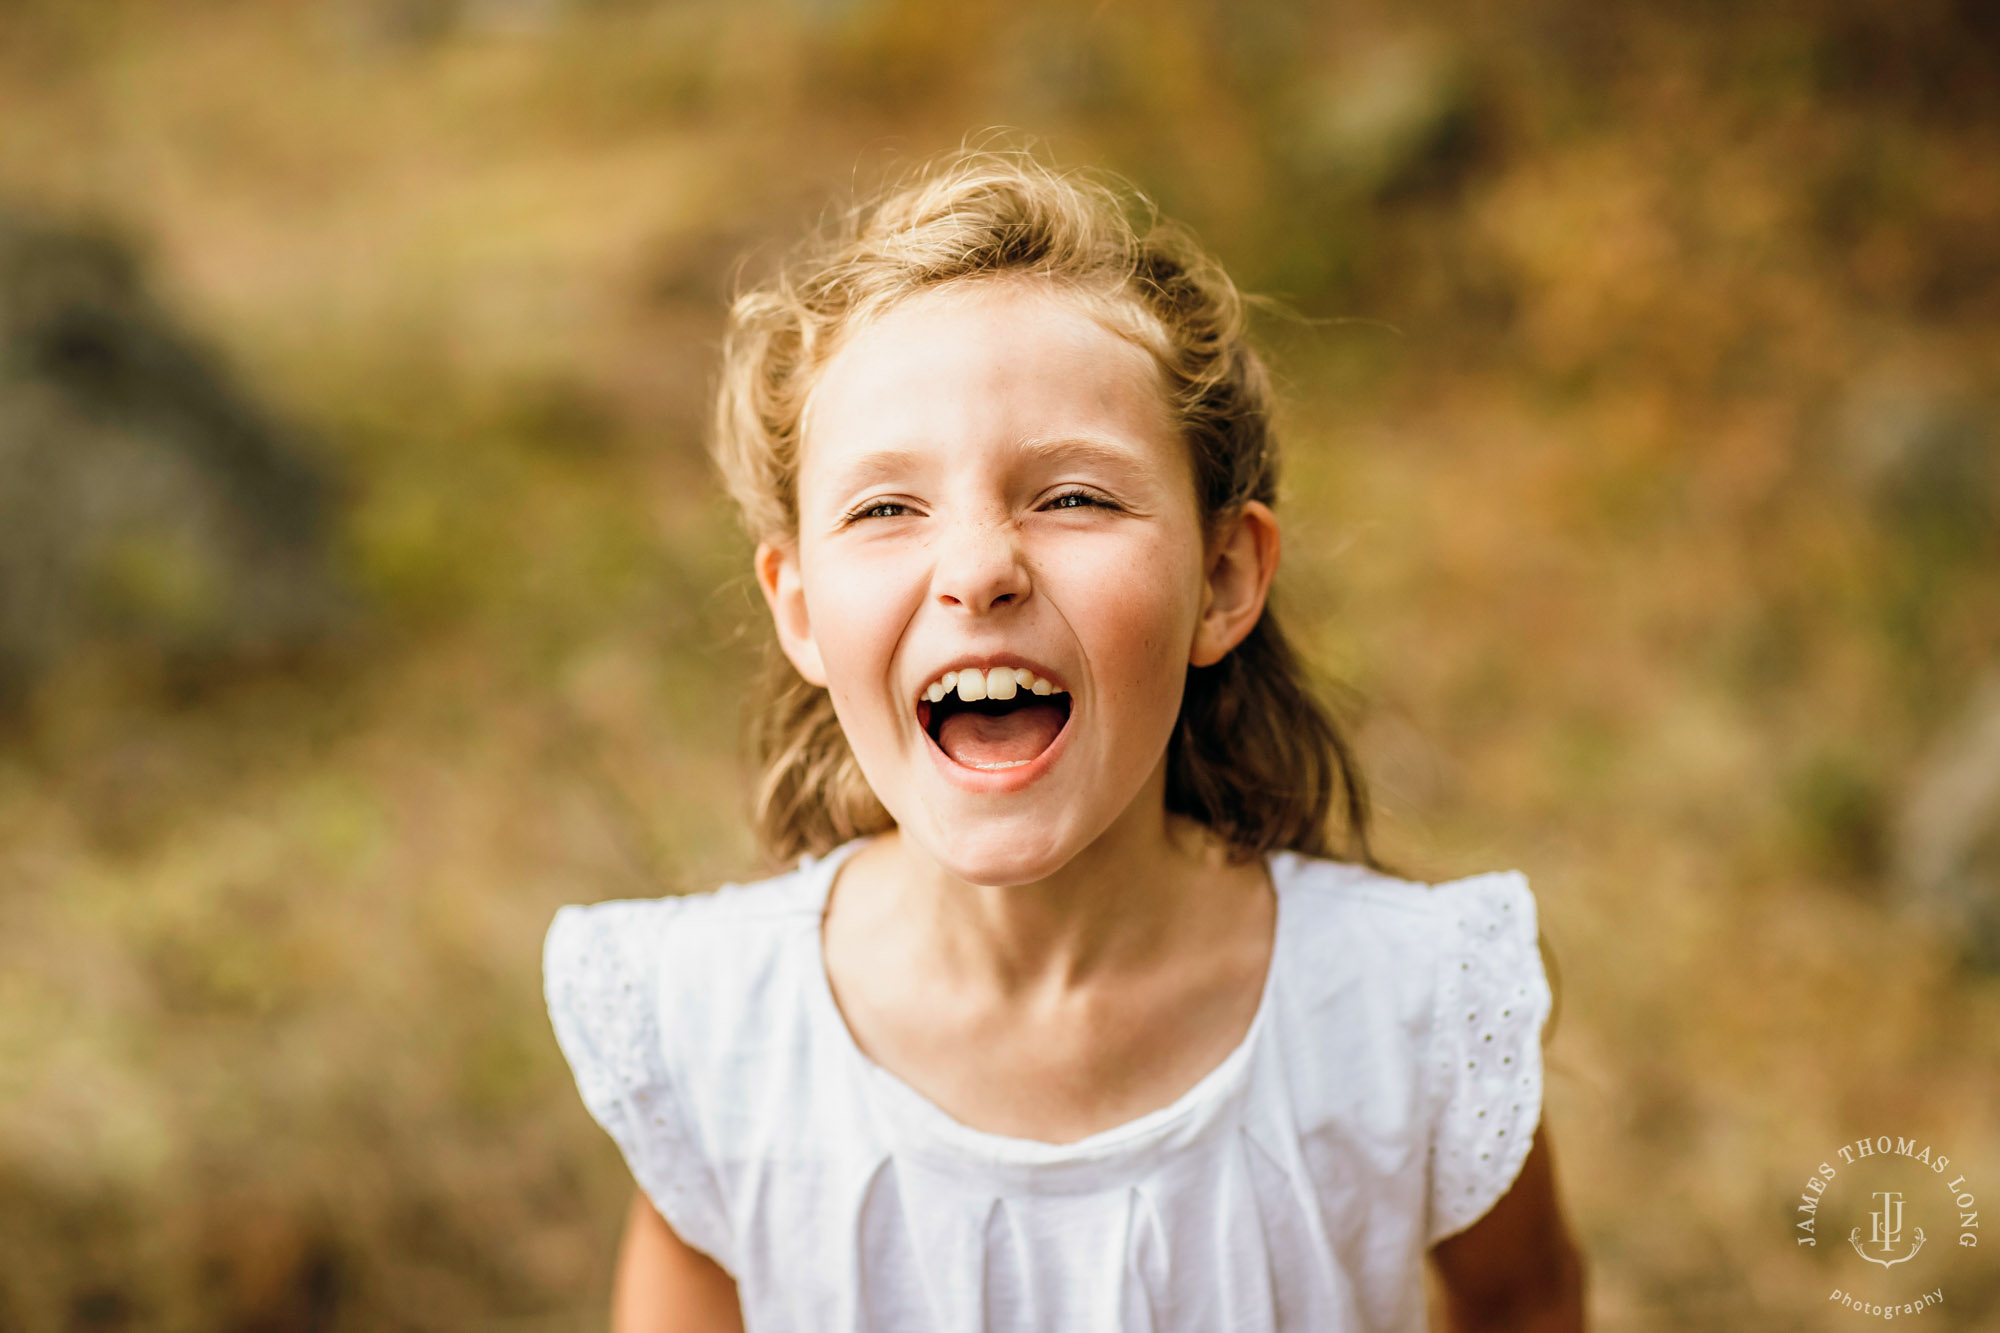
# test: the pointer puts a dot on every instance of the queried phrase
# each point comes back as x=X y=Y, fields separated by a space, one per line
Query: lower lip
x=997 y=781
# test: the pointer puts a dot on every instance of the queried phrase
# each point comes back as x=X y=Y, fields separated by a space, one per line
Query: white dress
x=1383 y=1098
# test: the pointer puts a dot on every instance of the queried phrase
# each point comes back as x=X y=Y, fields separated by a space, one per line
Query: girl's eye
x=871 y=510
x=1082 y=500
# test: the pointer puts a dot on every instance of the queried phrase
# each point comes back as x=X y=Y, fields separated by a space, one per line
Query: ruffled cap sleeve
x=1486 y=1054
x=600 y=974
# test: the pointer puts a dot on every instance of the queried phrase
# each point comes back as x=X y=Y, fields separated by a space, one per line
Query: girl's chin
x=999 y=855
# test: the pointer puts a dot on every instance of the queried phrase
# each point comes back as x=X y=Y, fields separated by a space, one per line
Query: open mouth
x=995 y=733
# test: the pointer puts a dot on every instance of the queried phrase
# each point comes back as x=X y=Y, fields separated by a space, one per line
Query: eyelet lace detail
x=1486 y=1056
x=600 y=973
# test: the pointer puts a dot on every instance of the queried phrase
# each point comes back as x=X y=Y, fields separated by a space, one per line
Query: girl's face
x=990 y=480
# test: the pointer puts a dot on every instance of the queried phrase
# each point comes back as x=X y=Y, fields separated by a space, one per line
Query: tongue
x=979 y=738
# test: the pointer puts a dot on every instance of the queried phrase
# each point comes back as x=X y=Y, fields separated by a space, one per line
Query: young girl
x=1068 y=1016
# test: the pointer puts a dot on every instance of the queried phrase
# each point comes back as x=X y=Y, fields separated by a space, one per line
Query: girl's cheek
x=1140 y=589
x=857 y=607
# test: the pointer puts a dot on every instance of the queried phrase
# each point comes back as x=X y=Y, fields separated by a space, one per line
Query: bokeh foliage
x=1640 y=371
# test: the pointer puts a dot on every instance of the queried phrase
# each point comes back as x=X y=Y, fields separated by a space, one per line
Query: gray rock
x=145 y=499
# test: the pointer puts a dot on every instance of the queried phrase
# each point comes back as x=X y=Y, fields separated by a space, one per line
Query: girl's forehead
x=975 y=357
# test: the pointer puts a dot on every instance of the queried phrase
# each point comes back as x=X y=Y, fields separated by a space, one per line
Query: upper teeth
x=993 y=683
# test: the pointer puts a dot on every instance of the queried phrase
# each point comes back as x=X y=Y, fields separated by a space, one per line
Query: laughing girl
x=1083 y=1005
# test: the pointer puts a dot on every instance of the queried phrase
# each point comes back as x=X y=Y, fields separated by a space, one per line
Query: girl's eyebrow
x=879 y=464
x=1085 y=449
x=876 y=465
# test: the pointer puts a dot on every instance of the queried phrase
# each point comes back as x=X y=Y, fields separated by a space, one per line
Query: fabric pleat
x=892 y=1294
x=1147 y=1261
x=1007 y=1298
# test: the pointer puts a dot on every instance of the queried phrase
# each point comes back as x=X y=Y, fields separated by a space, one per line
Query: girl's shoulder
x=1474 y=914
x=1425 y=1000
x=596 y=954
x=1425 y=946
x=674 y=1011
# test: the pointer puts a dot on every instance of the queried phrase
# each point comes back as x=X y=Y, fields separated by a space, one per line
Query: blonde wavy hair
x=1255 y=755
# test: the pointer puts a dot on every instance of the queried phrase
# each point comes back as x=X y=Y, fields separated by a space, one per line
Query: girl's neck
x=1139 y=895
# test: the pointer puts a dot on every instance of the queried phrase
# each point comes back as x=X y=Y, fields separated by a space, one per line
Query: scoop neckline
x=932 y=1133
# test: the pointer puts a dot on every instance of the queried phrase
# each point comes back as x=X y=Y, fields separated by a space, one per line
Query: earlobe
x=777 y=568
x=1241 y=565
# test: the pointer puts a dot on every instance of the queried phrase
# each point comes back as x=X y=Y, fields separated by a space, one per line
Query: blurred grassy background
x=1642 y=418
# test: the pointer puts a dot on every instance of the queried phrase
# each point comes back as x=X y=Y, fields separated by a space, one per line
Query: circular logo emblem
x=1890 y=1217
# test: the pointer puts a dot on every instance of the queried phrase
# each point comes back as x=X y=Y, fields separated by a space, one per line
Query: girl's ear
x=777 y=567
x=1240 y=564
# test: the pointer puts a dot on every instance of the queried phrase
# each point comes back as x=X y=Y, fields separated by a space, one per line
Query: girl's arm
x=664 y=1285
x=1515 y=1269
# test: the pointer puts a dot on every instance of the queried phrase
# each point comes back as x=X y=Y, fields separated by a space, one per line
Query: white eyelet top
x=1384 y=1097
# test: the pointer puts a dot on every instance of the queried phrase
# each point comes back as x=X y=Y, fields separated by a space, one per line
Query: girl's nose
x=980 y=567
